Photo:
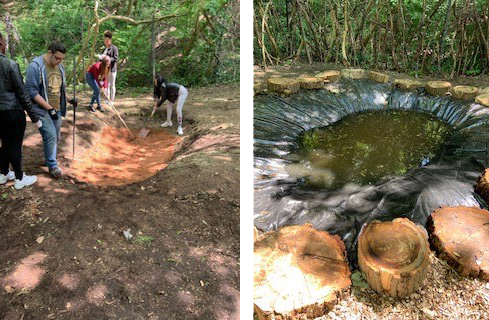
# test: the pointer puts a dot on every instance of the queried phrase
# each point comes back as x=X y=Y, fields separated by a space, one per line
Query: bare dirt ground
x=444 y=294
x=63 y=254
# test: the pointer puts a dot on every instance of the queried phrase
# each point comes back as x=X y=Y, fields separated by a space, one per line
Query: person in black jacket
x=14 y=99
x=112 y=52
x=174 y=93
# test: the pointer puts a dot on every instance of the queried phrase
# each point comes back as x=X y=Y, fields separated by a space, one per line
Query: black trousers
x=12 y=128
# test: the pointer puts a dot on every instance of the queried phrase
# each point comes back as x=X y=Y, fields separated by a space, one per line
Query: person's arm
x=33 y=86
x=21 y=92
x=116 y=55
x=96 y=74
x=162 y=94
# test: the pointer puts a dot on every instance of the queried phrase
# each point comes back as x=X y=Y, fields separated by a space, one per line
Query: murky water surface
x=365 y=147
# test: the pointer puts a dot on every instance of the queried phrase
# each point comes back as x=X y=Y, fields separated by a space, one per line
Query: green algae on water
x=366 y=147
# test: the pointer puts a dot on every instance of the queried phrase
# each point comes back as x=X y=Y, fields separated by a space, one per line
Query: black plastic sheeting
x=447 y=180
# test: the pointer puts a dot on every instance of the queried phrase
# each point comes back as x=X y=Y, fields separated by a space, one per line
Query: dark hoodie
x=165 y=90
x=13 y=94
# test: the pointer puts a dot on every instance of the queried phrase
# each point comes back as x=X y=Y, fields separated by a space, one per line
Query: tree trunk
x=441 y=49
x=345 y=34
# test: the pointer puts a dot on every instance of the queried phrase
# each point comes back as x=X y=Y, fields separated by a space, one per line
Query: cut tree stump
x=378 y=77
x=394 y=256
x=329 y=76
x=483 y=99
x=283 y=85
x=464 y=92
x=483 y=91
x=299 y=272
x=482 y=186
x=353 y=73
x=407 y=84
x=438 y=88
x=259 y=87
x=461 y=236
x=310 y=83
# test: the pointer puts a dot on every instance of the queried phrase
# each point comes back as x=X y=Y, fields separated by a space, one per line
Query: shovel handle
x=117 y=112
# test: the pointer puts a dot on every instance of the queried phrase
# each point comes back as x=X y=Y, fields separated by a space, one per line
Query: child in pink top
x=96 y=78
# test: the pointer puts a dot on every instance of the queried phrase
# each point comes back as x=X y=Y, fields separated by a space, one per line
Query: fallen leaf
x=201 y=283
x=40 y=239
x=358 y=280
x=143 y=188
x=9 y=289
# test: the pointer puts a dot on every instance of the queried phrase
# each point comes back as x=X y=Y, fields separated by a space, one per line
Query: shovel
x=143 y=133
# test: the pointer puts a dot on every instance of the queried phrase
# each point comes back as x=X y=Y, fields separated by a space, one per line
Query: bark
x=130 y=4
x=484 y=37
x=345 y=34
x=443 y=34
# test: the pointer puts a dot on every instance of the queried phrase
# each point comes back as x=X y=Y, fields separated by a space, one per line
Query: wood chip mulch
x=443 y=295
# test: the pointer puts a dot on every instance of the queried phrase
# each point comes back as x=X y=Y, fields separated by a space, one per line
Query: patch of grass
x=144 y=240
x=4 y=195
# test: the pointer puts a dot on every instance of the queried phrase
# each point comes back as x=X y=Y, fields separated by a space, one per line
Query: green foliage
x=212 y=58
x=144 y=240
x=395 y=34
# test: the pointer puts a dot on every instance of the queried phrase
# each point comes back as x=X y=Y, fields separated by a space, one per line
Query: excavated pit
x=116 y=159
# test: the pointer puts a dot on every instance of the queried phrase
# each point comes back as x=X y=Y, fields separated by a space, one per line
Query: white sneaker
x=180 y=130
x=26 y=181
x=167 y=124
x=6 y=177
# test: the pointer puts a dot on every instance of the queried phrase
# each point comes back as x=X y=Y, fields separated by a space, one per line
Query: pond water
x=366 y=147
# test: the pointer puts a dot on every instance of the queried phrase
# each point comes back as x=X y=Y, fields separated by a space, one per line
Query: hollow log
x=464 y=92
x=394 y=256
x=353 y=73
x=407 y=84
x=438 y=88
x=329 y=76
x=378 y=77
x=299 y=272
x=483 y=99
x=310 y=83
x=283 y=85
x=461 y=236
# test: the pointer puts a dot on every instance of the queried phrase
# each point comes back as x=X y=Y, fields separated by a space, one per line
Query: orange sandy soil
x=116 y=159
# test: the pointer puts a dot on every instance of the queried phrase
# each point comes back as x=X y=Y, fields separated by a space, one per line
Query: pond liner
x=447 y=180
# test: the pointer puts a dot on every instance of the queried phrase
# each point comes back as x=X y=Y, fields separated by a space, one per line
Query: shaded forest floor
x=444 y=294
x=297 y=69
x=63 y=254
